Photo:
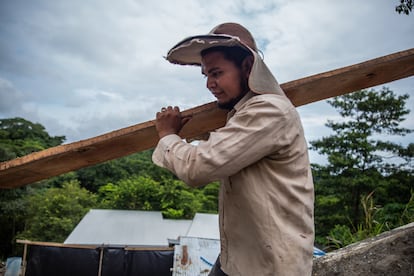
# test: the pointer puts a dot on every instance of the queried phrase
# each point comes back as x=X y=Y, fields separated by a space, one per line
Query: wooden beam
x=55 y=244
x=91 y=246
x=69 y=157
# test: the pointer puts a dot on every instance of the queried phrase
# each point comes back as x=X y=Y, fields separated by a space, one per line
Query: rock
x=390 y=253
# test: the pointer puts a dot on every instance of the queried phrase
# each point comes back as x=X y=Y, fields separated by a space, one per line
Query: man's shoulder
x=270 y=97
x=269 y=100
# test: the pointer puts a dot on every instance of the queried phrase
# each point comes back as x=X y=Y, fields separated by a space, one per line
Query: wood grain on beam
x=69 y=157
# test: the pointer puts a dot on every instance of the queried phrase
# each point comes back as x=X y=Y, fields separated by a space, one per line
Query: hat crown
x=237 y=30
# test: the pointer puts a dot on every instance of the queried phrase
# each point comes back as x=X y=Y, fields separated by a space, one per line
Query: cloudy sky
x=83 y=68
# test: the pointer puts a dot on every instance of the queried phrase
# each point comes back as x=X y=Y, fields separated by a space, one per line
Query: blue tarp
x=13 y=266
x=317 y=252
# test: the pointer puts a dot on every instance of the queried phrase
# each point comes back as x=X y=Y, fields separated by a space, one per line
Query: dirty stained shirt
x=266 y=194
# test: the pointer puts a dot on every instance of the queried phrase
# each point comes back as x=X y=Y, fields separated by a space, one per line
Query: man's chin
x=228 y=105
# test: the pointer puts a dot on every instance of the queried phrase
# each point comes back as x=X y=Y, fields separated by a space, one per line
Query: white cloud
x=10 y=97
x=82 y=68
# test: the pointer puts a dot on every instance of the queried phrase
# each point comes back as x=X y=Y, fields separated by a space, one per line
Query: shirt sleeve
x=257 y=130
x=158 y=157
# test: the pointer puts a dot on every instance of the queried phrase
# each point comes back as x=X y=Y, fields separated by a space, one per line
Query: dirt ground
x=391 y=253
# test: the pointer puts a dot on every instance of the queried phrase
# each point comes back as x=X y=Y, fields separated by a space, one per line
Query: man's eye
x=216 y=74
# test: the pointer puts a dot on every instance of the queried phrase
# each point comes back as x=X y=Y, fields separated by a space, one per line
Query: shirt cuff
x=162 y=148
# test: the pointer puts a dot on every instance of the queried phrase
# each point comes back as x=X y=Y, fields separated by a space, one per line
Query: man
x=260 y=158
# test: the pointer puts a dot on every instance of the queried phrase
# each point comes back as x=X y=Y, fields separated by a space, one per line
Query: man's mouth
x=218 y=95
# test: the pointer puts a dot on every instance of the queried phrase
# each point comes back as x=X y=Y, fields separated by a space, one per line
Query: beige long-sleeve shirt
x=266 y=195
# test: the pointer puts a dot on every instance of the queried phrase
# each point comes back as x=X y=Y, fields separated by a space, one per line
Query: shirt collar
x=246 y=97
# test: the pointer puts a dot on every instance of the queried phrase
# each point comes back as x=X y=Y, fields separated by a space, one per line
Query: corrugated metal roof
x=127 y=228
x=205 y=226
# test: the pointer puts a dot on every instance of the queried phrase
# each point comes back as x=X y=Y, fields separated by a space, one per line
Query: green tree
x=172 y=197
x=180 y=201
x=19 y=137
x=133 y=193
x=210 y=198
x=405 y=6
x=13 y=206
x=92 y=178
x=359 y=159
x=54 y=212
x=134 y=182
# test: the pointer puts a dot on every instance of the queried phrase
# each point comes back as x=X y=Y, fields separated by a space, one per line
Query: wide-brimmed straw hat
x=188 y=52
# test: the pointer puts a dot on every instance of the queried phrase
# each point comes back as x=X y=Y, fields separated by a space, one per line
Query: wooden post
x=23 y=272
x=100 y=260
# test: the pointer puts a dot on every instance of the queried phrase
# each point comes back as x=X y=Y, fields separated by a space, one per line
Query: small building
x=121 y=242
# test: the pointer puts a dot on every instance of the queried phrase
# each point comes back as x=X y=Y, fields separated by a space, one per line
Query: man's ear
x=247 y=65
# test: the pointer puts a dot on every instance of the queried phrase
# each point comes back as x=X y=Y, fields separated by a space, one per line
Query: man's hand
x=170 y=121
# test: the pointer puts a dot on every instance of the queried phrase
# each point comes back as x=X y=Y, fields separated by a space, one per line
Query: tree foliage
x=172 y=197
x=361 y=162
x=405 y=6
x=356 y=144
x=53 y=213
x=19 y=137
x=13 y=207
x=113 y=171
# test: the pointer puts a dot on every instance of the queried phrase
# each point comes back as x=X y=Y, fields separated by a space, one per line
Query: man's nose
x=210 y=83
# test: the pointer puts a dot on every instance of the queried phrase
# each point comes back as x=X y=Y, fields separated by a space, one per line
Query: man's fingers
x=170 y=108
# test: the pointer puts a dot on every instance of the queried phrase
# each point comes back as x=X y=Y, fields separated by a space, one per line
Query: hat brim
x=188 y=51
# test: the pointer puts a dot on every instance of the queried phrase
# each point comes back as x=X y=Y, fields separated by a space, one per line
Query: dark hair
x=233 y=53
